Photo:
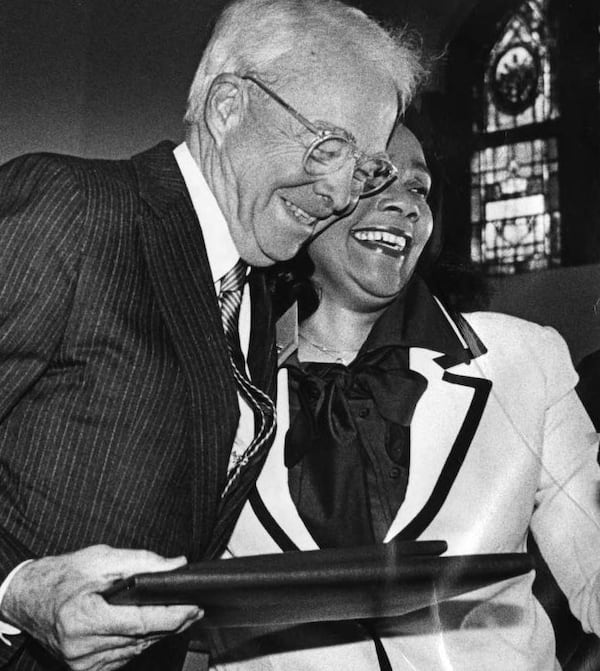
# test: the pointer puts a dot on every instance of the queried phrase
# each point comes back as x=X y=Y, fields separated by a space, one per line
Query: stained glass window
x=514 y=205
x=515 y=212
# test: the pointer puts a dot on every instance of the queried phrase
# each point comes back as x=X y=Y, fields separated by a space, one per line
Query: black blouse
x=348 y=446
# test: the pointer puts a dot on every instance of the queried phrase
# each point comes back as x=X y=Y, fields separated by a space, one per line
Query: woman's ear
x=225 y=105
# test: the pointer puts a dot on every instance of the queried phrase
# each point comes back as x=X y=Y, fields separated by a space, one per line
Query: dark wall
x=566 y=298
x=109 y=77
x=42 y=75
x=96 y=77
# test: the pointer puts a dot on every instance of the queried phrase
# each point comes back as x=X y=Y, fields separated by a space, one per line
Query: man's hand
x=56 y=600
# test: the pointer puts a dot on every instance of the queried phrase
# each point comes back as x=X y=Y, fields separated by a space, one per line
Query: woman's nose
x=399 y=199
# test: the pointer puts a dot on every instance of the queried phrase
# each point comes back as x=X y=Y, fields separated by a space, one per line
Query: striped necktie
x=230 y=300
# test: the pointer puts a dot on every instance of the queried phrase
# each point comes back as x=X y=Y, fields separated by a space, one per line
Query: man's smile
x=302 y=216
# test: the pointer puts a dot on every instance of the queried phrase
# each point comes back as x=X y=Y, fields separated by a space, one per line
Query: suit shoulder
x=40 y=171
x=34 y=173
x=77 y=179
x=40 y=200
x=69 y=201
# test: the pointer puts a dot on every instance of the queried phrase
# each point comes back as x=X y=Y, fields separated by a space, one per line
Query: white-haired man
x=127 y=418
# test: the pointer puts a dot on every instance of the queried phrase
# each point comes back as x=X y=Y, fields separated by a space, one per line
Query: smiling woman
x=361 y=263
x=364 y=260
x=398 y=419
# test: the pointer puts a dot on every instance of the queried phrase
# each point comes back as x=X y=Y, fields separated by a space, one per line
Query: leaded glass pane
x=515 y=216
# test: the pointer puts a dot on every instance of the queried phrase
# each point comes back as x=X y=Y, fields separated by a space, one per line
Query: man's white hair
x=274 y=37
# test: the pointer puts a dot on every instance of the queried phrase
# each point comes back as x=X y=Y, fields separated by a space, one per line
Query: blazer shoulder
x=508 y=326
x=527 y=349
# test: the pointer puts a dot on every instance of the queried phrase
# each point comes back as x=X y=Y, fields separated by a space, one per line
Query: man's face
x=276 y=205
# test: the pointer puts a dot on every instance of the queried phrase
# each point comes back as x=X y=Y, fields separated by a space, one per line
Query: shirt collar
x=415 y=319
x=220 y=248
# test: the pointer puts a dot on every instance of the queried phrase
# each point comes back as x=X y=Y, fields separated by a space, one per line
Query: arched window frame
x=577 y=131
x=515 y=212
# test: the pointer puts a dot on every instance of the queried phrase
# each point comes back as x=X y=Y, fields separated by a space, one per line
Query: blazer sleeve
x=41 y=214
x=566 y=519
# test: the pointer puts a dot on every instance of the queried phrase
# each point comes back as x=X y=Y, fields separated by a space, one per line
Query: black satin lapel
x=475 y=347
x=458 y=453
x=262 y=360
x=267 y=520
x=180 y=273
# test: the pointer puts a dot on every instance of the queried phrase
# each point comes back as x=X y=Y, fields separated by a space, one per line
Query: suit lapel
x=442 y=431
x=180 y=273
x=262 y=360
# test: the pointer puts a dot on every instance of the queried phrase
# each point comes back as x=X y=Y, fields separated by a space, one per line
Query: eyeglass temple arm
x=301 y=119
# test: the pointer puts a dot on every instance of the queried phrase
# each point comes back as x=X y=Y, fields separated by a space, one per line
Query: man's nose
x=336 y=188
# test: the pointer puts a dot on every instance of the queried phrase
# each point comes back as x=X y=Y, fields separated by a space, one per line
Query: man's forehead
x=339 y=71
x=349 y=93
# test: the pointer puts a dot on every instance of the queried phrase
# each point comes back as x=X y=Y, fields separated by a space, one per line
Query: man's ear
x=225 y=105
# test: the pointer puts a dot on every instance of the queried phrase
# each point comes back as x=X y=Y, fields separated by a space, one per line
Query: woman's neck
x=334 y=333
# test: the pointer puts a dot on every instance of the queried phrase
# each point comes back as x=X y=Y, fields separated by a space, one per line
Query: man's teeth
x=300 y=214
x=397 y=241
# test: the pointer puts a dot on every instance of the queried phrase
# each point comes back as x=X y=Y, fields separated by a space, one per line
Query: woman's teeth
x=397 y=242
x=300 y=214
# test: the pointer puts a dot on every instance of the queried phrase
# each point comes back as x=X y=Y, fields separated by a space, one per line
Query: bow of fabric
x=325 y=391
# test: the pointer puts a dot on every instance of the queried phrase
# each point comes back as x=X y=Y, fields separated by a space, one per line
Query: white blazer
x=498 y=446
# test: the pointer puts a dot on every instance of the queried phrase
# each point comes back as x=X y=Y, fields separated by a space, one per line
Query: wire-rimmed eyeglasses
x=333 y=147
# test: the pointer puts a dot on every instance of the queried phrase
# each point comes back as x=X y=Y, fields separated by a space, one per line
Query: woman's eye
x=421 y=190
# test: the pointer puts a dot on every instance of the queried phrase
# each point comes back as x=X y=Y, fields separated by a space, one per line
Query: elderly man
x=128 y=415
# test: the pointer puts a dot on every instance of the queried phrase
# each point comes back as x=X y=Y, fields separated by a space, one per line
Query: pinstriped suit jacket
x=117 y=403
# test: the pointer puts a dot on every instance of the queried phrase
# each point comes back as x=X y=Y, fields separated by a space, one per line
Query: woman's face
x=365 y=259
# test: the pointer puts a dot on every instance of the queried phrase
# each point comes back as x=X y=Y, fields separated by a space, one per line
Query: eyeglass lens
x=329 y=154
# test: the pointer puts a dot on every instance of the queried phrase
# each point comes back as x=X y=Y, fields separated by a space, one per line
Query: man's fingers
x=94 y=653
x=136 y=621
x=90 y=646
x=148 y=620
x=111 y=563
x=57 y=601
x=110 y=658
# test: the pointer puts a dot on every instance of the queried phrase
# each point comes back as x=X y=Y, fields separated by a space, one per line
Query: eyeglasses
x=333 y=147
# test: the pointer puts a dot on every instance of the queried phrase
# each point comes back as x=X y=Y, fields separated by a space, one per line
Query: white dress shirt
x=222 y=256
